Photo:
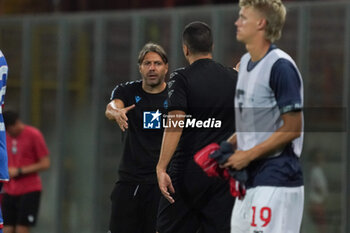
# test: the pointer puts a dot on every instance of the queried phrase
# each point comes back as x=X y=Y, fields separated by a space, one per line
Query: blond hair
x=273 y=11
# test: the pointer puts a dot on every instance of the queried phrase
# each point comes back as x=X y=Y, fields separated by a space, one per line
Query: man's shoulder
x=278 y=54
x=131 y=84
x=190 y=70
x=28 y=129
x=179 y=73
x=130 y=87
x=228 y=74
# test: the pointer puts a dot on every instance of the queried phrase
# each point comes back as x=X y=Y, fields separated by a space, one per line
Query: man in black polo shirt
x=136 y=107
x=201 y=109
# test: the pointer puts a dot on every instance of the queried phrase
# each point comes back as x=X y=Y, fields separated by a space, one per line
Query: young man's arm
x=290 y=130
x=233 y=140
x=170 y=141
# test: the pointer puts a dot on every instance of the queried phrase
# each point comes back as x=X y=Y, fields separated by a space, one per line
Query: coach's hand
x=121 y=118
x=165 y=185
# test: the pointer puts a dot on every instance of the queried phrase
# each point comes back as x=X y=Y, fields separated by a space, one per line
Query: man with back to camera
x=203 y=91
x=27 y=156
x=269 y=123
x=136 y=107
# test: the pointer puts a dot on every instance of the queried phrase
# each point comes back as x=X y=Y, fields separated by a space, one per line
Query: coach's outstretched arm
x=116 y=111
x=290 y=130
x=170 y=141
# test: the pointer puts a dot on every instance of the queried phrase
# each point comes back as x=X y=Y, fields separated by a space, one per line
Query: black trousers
x=202 y=204
x=134 y=208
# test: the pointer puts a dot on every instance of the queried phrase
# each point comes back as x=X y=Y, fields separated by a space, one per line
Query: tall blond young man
x=269 y=123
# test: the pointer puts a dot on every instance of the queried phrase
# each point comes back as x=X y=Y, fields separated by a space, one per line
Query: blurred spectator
x=318 y=191
x=27 y=155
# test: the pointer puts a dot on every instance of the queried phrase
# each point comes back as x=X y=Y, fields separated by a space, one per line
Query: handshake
x=212 y=156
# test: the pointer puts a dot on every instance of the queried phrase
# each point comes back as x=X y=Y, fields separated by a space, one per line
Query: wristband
x=19 y=171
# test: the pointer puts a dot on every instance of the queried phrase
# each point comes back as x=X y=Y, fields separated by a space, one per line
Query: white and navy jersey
x=4 y=176
x=141 y=145
x=266 y=90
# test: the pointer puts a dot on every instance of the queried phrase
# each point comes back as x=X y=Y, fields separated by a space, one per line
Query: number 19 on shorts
x=264 y=214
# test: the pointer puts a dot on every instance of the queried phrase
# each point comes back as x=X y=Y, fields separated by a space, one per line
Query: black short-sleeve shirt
x=143 y=137
x=205 y=91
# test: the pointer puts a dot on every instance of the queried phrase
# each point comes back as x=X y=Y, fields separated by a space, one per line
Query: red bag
x=211 y=168
x=209 y=165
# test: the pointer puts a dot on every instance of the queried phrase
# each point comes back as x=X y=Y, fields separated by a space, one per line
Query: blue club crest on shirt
x=151 y=120
x=137 y=98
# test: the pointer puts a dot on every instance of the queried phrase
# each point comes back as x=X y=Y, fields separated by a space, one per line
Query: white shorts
x=267 y=209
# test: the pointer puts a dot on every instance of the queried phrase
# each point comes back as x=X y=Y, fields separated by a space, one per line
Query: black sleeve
x=119 y=92
x=177 y=92
x=233 y=74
